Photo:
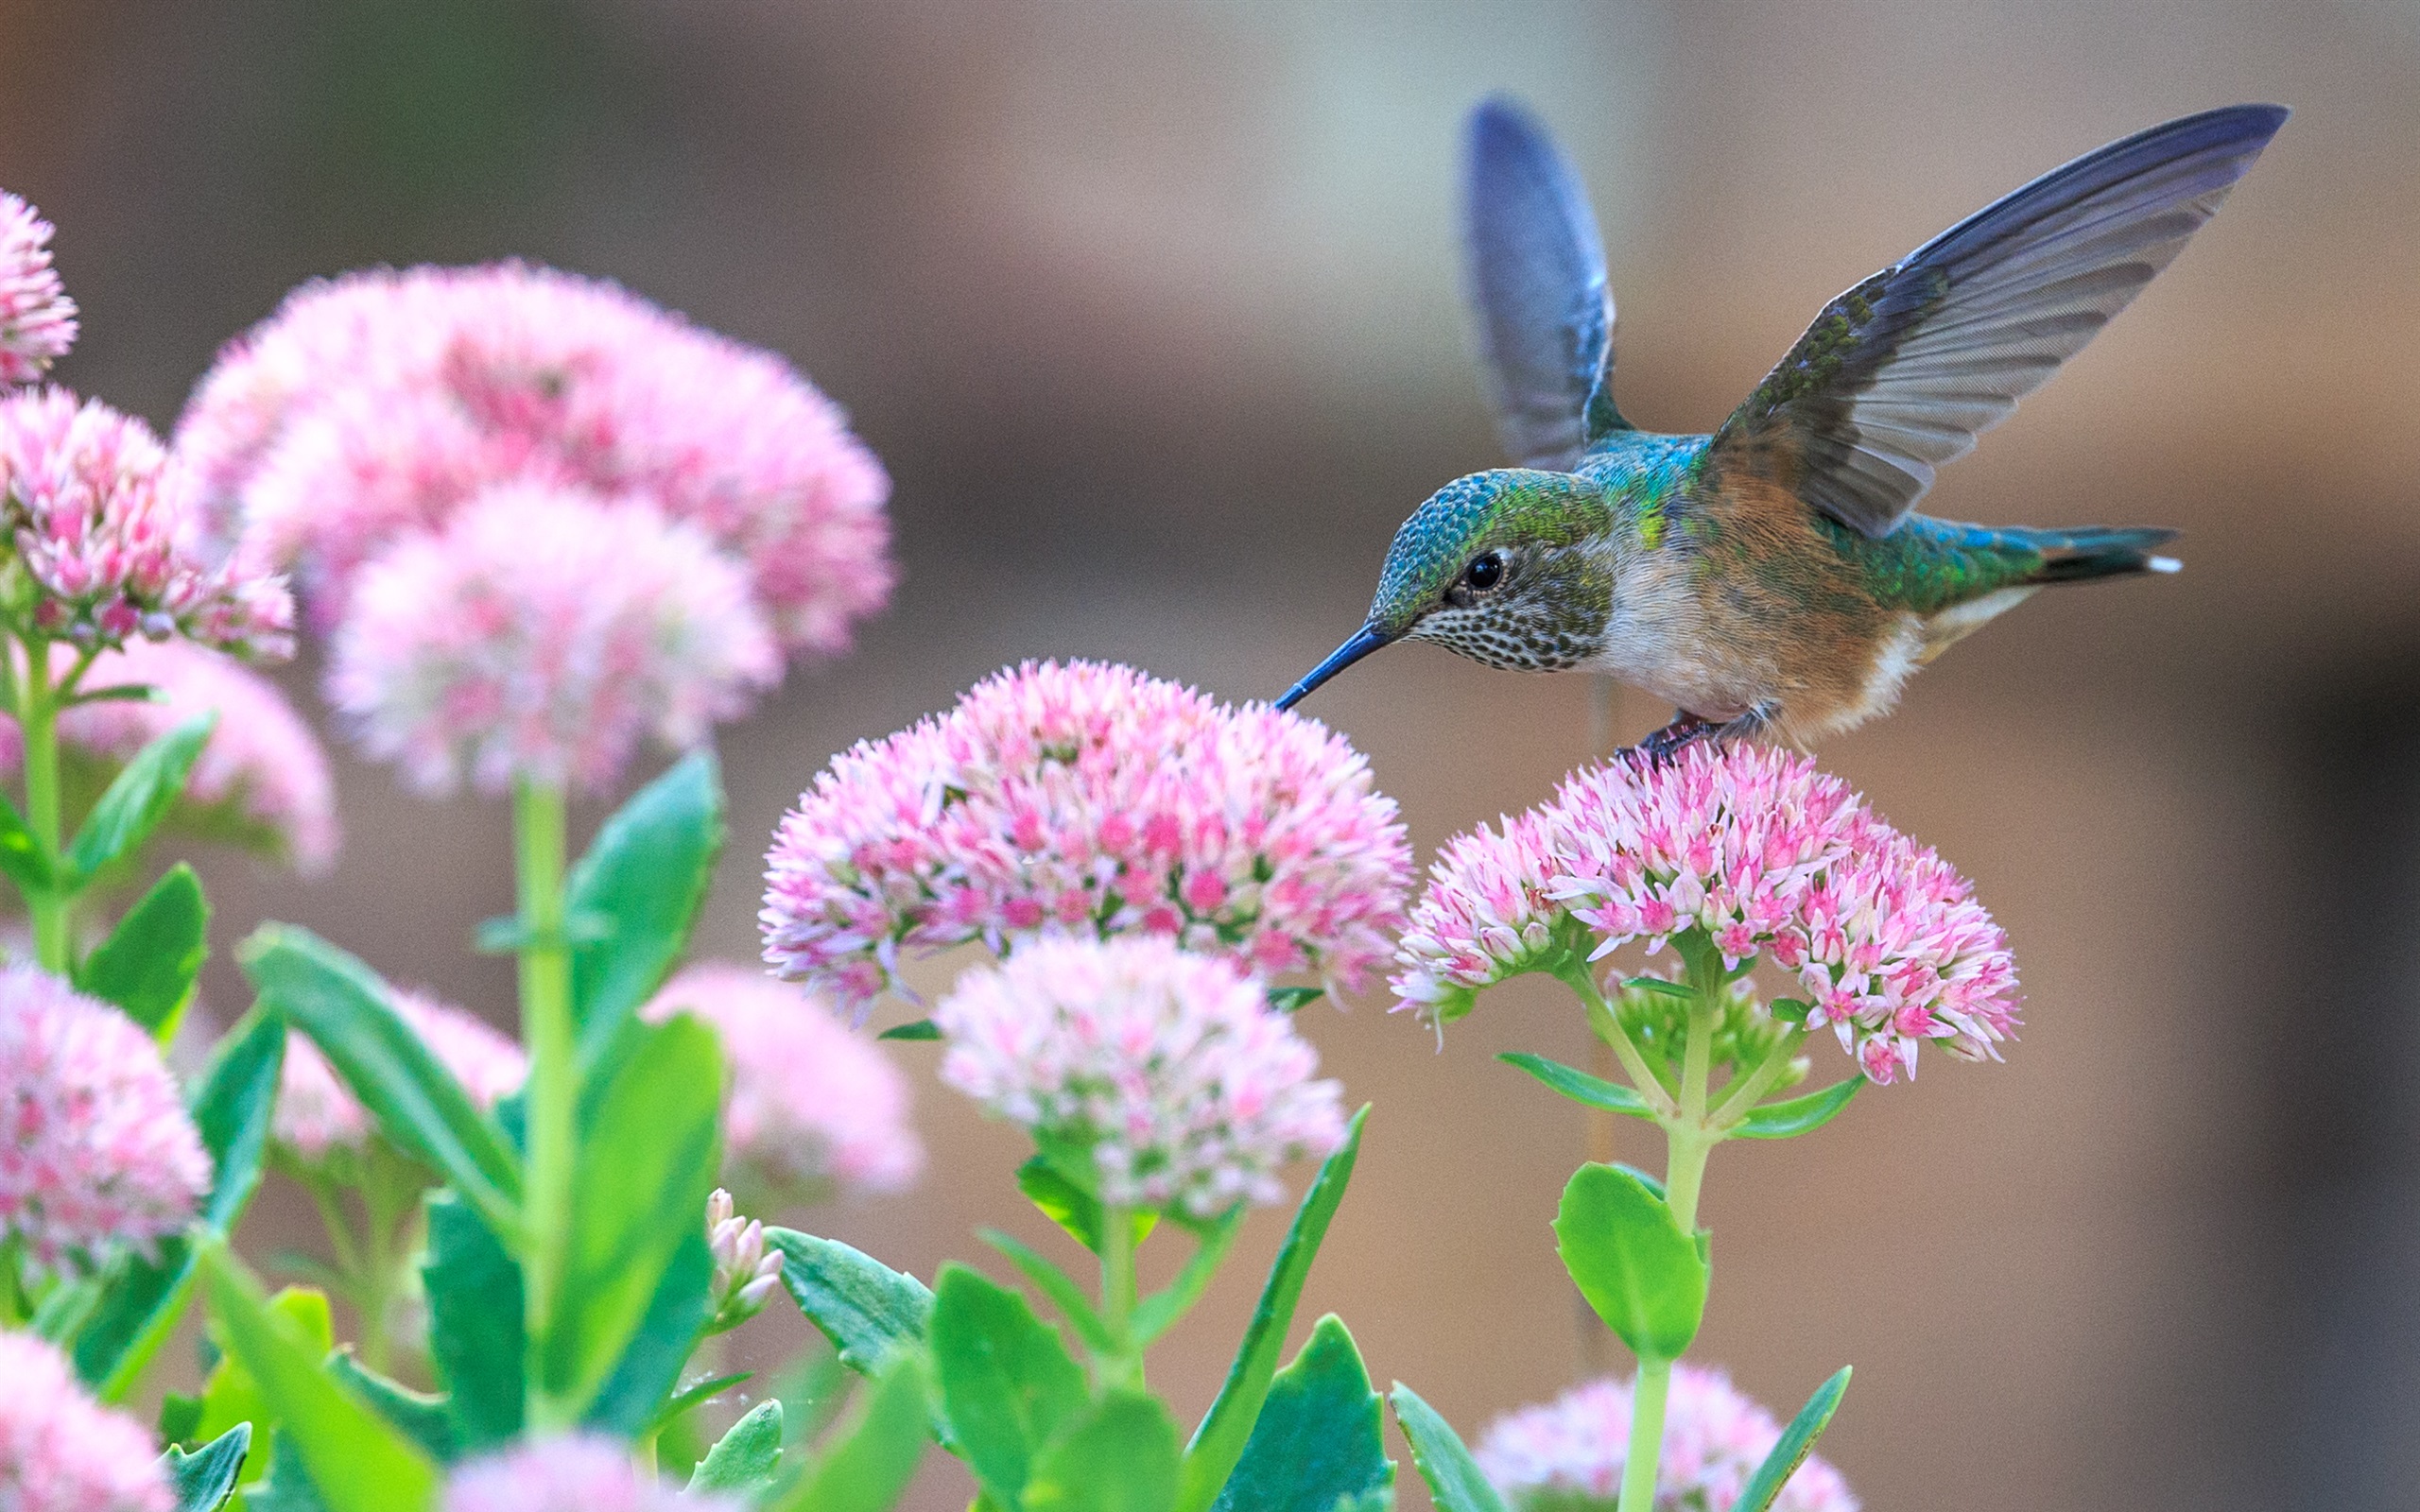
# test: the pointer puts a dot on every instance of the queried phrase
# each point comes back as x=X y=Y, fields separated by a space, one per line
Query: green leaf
x=1789 y=1010
x=870 y=1460
x=179 y=1416
x=1456 y=1484
x=1218 y=1442
x=918 y=1029
x=697 y=1395
x=343 y=1007
x=232 y=1106
x=135 y=801
x=118 y=692
x=1119 y=1456
x=200 y=1481
x=1318 y=1441
x=475 y=1334
x=633 y=1397
x=1070 y=1205
x=357 y=1462
x=427 y=1420
x=230 y=1395
x=148 y=963
x=1007 y=1382
x=21 y=858
x=287 y=1486
x=1295 y=999
x=644 y=876
x=1800 y=1115
x=646 y=1165
x=863 y=1306
x=1057 y=1285
x=1158 y=1313
x=1797 y=1441
x=1579 y=1085
x=1630 y=1259
x=743 y=1461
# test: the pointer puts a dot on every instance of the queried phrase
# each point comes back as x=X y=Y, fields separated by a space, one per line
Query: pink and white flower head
x=37 y=318
x=1084 y=799
x=317 y=1113
x=1170 y=1068
x=811 y=1106
x=572 y=1472
x=383 y=402
x=1567 y=1455
x=96 y=1148
x=262 y=781
x=97 y=513
x=63 y=1451
x=541 y=634
x=1758 y=851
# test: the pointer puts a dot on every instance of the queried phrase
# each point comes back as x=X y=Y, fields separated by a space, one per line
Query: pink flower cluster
x=63 y=1451
x=380 y=403
x=574 y=1473
x=1080 y=798
x=1762 y=853
x=99 y=517
x=37 y=318
x=1568 y=1455
x=96 y=1148
x=318 y=1115
x=1187 y=1088
x=810 y=1103
x=263 y=778
x=541 y=633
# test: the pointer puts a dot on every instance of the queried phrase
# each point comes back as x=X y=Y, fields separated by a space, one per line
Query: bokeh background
x=1150 y=307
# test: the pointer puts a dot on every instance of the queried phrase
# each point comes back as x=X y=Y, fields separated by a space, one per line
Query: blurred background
x=1151 y=308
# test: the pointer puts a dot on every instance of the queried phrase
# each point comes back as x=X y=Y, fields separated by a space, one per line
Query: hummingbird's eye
x=1485 y=570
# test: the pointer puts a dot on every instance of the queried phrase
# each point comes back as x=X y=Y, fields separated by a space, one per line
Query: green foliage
x=924 y=1030
x=1800 y=1115
x=1797 y=1442
x=870 y=1460
x=1069 y=1206
x=743 y=1461
x=475 y=1328
x=1218 y=1442
x=287 y=1486
x=864 y=1307
x=644 y=878
x=1057 y=1285
x=1579 y=1085
x=1119 y=1454
x=202 y=1481
x=230 y=1395
x=1007 y=1382
x=419 y=1108
x=21 y=856
x=1158 y=1313
x=1455 y=1481
x=1318 y=1443
x=1628 y=1256
x=646 y=1165
x=1295 y=999
x=136 y=800
x=148 y=963
x=357 y=1461
x=232 y=1106
x=634 y=1396
x=427 y=1420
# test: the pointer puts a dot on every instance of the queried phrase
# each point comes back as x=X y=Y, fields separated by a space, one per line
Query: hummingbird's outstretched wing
x=1537 y=284
x=1902 y=372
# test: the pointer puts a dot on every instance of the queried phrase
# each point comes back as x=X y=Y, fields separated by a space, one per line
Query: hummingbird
x=1773 y=578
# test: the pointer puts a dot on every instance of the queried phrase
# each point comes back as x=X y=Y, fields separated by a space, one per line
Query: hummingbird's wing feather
x=1901 y=373
x=1536 y=274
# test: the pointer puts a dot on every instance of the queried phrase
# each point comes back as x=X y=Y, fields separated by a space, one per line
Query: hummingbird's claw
x=1686 y=729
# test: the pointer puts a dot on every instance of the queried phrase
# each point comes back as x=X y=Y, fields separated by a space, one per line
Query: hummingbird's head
x=1497 y=566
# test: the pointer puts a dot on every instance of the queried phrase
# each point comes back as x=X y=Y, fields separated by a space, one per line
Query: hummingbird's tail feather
x=2098 y=551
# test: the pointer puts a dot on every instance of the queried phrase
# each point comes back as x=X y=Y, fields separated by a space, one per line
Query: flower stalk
x=1124 y=1364
x=539 y=851
x=38 y=717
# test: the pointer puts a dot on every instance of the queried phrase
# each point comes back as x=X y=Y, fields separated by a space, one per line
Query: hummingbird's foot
x=1665 y=747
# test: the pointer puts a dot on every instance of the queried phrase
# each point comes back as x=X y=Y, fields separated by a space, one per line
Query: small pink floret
x=63 y=1451
x=37 y=318
x=1568 y=1455
x=1171 y=1067
x=96 y=1148
x=317 y=1114
x=575 y=1472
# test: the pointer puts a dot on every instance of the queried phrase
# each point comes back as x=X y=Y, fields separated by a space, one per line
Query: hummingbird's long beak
x=1365 y=639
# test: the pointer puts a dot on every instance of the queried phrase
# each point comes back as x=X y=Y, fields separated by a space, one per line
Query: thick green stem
x=1742 y=1094
x=1647 y=1393
x=15 y=1306
x=38 y=718
x=539 y=849
x=1125 y=1366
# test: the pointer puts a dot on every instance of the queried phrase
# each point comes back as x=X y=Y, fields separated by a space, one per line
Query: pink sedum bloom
x=1489 y=913
x=1568 y=1455
x=1086 y=799
x=810 y=1103
x=96 y=1148
x=98 y=515
x=317 y=1113
x=262 y=774
x=574 y=1473
x=37 y=318
x=383 y=402
x=63 y=1451
x=543 y=634
x=1188 y=1090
